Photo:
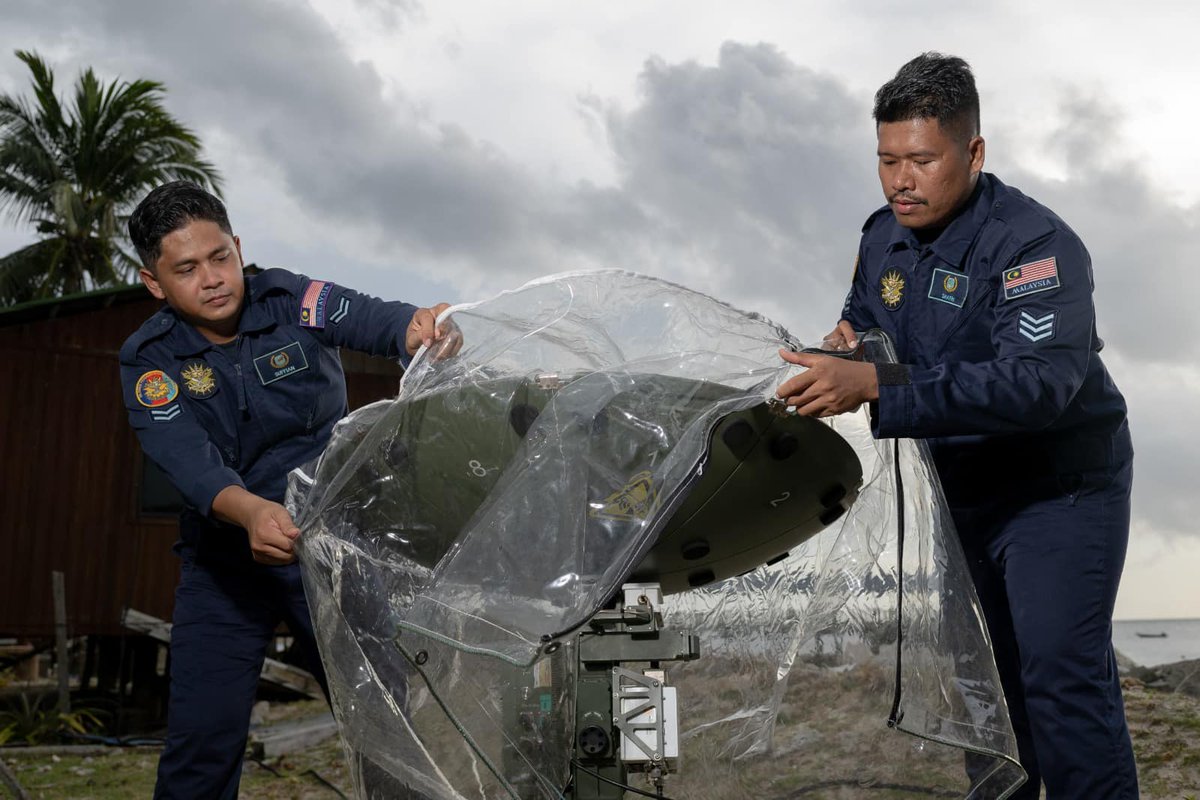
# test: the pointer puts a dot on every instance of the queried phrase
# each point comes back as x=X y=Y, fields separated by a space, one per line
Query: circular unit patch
x=155 y=388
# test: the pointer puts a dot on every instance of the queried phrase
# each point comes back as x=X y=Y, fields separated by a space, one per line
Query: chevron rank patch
x=339 y=313
x=312 y=304
x=1036 y=325
x=165 y=414
x=1031 y=278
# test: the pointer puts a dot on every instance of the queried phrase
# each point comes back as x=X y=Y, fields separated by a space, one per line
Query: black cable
x=325 y=781
x=458 y=726
x=896 y=715
x=618 y=784
x=268 y=767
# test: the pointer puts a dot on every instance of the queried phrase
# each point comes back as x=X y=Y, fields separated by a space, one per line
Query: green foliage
x=75 y=169
x=39 y=721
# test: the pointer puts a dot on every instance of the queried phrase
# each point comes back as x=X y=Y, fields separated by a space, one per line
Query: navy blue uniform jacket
x=213 y=416
x=995 y=332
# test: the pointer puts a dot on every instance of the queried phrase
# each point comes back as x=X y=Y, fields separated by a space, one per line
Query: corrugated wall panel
x=69 y=466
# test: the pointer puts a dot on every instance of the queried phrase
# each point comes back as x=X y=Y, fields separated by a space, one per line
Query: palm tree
x=75 y=171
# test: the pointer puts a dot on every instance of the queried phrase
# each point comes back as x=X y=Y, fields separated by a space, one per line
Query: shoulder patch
x=199 y=380
x=1031 y=278
x=165 y=414
x=891 y=289
x=155 y=389
x=1037 y=324
x=339 y=313
x=312 y=304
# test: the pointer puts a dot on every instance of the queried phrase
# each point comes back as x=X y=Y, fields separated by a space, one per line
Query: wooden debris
x=273 y=672
x=289 y=737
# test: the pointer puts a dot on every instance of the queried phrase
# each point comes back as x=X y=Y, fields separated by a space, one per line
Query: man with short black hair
x=987 y=296
x=231 y=385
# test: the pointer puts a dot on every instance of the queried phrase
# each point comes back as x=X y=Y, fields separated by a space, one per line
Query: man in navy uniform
x=235 y=382
x=987 y=296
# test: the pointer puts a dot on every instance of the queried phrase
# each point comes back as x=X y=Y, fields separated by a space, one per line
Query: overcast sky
x=449 y=150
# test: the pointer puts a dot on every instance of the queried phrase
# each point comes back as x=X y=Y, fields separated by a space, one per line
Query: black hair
x=935 y=86
x=169 y=208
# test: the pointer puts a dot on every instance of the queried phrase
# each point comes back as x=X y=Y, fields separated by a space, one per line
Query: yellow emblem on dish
x=637 y=499
x=892 y=288
x=199 y=379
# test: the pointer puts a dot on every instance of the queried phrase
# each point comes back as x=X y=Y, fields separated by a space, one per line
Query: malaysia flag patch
x=1031 y=278
x=312 y=305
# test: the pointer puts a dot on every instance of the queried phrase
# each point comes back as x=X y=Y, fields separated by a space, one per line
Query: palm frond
x=75 y=168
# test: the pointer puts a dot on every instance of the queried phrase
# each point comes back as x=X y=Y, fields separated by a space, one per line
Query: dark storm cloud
x=761 y=173
x=748 y=178
x=274 y=79
x=1142 y=244
x=1143 y=249
x=741 y=179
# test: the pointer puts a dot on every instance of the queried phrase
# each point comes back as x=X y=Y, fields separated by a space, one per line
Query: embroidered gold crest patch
x=891 y=289
x=198 y=379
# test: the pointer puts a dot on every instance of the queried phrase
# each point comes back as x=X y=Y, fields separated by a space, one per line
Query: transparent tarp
x=463 y=545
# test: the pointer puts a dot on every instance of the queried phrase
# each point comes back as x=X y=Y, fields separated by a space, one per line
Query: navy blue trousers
x=225 y=617
x=1046 y=557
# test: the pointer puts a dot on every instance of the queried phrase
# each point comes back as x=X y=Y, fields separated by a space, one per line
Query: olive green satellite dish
x=767 y=483
x=771 y=482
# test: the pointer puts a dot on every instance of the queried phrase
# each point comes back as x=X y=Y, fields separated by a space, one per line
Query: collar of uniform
x=256 y=316
x=953 y=243
x=186 y=341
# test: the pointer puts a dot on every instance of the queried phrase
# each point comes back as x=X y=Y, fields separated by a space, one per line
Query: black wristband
x=893 y=374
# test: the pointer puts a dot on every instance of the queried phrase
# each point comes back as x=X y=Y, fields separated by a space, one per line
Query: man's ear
x=151 y=282
x=976 y=148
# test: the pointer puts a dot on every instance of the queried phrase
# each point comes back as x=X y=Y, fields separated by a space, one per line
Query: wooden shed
x=76 y=495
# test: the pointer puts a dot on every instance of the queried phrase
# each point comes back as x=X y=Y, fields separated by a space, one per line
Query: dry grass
x=819 y=753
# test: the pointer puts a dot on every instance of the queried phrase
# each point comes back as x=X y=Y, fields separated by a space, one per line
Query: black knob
x=594 y=741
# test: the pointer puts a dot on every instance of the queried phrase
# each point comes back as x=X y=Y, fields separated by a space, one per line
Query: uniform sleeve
x=856 y=308
x=343 y=317
x=1042 y=338
x=172 y=437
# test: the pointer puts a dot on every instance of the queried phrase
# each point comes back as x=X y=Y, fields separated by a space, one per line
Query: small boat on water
x=1161 y=635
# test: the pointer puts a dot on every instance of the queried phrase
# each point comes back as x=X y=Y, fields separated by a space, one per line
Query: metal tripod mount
x=626 y=719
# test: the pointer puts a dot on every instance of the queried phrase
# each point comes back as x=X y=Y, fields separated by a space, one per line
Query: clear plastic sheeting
x=464 y=549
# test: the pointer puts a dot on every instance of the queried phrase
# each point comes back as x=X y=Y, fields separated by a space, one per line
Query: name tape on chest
x=281 y=363
x=1031 y=278
x=949 y=287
